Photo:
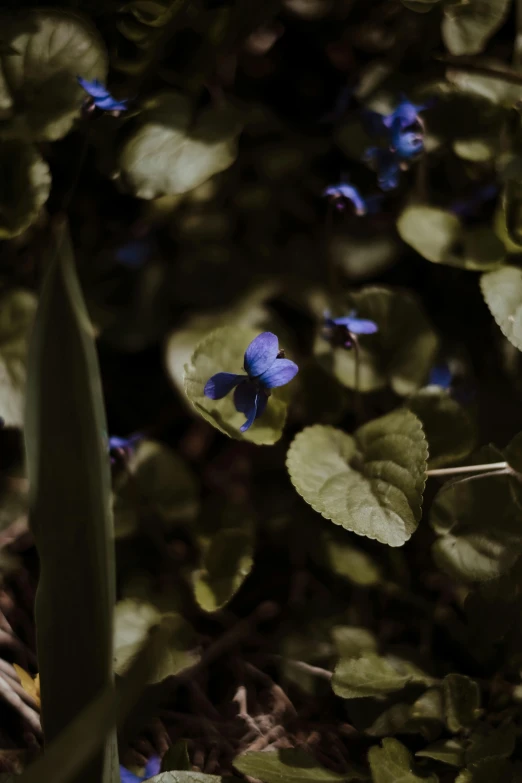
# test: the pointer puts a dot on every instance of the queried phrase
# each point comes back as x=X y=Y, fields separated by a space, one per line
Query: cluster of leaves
x=198 y=222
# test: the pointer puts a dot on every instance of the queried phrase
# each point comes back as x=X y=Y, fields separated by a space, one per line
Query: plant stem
x=493 y=467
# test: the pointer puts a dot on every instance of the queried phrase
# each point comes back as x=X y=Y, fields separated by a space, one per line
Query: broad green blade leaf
x=400 y=354
x=371 y=483
x=450 y=751
x=346 y=560
x=351 y=642
x=66 y=757
x=176 y=758
x=491 y=743
x=169 y=153
x=478 y=522
x=186 y=776
x=373 y=675
x=70 y=515
x=227 y=561
x=449 y=429
x=38 y=86
x=17 y=310
x=223 y=351
x=462 y=701
x=502 y=290
x=496 y=90
x=490 y=771
x=133 y=621
x=287 y=766
x=439 y=236
x=157 y=482
x=424 y=716
x=27 y=182
x=467 y=27
x=393 y=763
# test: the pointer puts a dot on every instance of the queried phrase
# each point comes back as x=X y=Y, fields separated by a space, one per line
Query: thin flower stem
x=493 y=467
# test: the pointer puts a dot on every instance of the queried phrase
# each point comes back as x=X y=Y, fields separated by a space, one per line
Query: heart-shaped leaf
x=467 y=27
x=502 y=290
x=169 y=152
x=393 y=763
x=27 y=182
x=372 y=675
x=17 y=310
x=39 y=93
x=371 y=483
x=223 y=351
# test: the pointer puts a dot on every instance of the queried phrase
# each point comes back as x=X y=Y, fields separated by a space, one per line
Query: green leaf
x=351 y=641
x=490 y=771
x=439 y=236
x=287 y=766
x=168 y=152
x=223 y=351
x=176 y=758
x=478 y=524
x=502 y=290
x=39 y=94
x=424 y=716
x=420 y=6
x=373 y=675
x=467 y=27
x=226 y=563
x=186 y=776
x=133 y=620
x=450 y=751
x=346 y=560
x=26 y=184
x=393 y=763
x=17 y=310
x=491 y=743
x=371 y=483
x=70 y=515
x=462 y=701
x=497 y=91
x=157 y=482
x=448 y=427
x=399 y=355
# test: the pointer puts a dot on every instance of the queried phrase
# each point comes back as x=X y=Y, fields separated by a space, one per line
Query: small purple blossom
x=467 y=207
x=404 y=115
x=405 y=144
x=342 y=193
x=440 y=375
x=123 y=447
x=265 y=367
x=101 y=95
x=342 y=332
x=152 y=768
x=387 y=164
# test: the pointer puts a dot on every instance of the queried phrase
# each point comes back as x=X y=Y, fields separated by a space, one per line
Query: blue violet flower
x=404 y=115
x=152 y=768
x=440 y=375
x=342 y=193
x=342 y=332
x=101 y=96
x=265 y=367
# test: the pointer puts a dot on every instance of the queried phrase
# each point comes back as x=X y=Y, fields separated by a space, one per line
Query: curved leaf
x=371 y=483
x=372 y=675
x=467 y=27
x=39 y=94
x=287 y=765
x=502 y=290
x=226 y=563
x=462 y=701
x=17 y=310
x=393 y=763
x=223 y=351
x=27 y=182
x=169 y=153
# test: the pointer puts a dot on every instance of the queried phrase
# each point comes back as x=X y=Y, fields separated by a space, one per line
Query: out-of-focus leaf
x=346 y=560
x=420 y=6
x=373 y=675
x=467 y=27
x=439 y=236
x=223 y=351
x=226 y=563
x=39 y=94
x=186 y=776
x=27 y=182
x=292 y=765
x=371 y=483
x=462 y=701
x=448 y=427
x=176 y=758
x=450 y=751
x=17 y=309
x=400 y=354
x=424 y=716
x=157 y=482
x=490 y=771
x=133 y=621
x=488 y=743
x=168 y=153
x=502 y=290
x=70 y=514
x=393 y=763
x=351 y=642
x=496 y=90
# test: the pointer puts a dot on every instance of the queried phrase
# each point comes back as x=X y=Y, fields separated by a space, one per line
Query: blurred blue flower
x=343 y=331
x=152 y=768
x=135 y=253
x=101 y=95
x=123 y=448
x=440 y=375
x=467 y=207
x=387 y=165
x=405 y=115
x=265 y=367
x=341 y=193
x=406 y=144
